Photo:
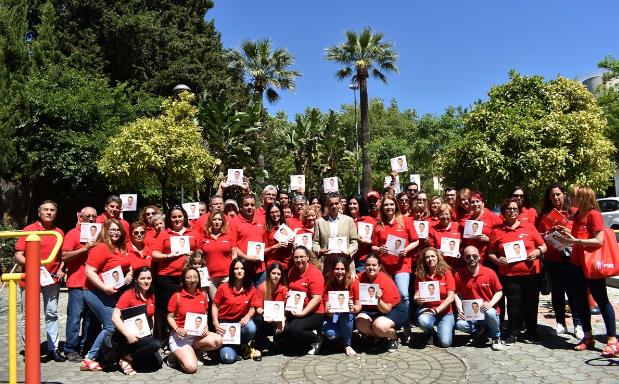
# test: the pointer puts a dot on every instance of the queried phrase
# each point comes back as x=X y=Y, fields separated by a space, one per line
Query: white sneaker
x=560 y=329
x=315 y=347
x=579 y=333
x=497 y=344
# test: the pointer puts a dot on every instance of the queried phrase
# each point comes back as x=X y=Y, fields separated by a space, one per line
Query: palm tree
x=364 y=54
x=266 y=68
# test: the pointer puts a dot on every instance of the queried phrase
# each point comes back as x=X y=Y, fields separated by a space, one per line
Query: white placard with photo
x=472 y=228
x=129 y=202
x=415 y=178
x=450 y=247
x=557 y=240
x=235 y=177
x=422 y=227
x=338 y=244
x=89 y=231
x=367 y=293
x=338 y=300
x=180 y=245
x=395 y=244
x=114 y=277
x=138 y=325
x=193 y=210
x=365 y=231
x=45 y=277
x=304 y=239
x=284 y=234
x=255 y=249
x=274 y=310
x=295 y=301
x=205 y=278
x=330 y=184
x=195 y=323
x=515 y=251
x=297 y=182
x=399 y=164
x=472 y=309
x=232 y=334
x=430 y=290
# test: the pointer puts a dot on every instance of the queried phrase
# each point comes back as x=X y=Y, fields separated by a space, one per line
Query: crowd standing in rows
x=400 y=259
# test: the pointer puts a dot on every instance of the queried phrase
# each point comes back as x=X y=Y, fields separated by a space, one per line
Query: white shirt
x=334 y=225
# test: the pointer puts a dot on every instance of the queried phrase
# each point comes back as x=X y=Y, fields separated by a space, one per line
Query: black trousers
x=522 y=294
x=144 y=353
x=299 y=329
x=165 y=287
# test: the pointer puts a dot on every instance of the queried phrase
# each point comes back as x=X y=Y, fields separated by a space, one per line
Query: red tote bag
x=602 y=262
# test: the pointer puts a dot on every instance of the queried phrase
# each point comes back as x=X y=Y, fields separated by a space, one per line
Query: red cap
x=373 y=194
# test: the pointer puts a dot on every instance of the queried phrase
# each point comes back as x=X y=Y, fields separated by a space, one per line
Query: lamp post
x=354 y=86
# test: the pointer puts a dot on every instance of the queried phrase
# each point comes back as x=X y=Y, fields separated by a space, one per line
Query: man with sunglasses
x=74 y=255
x=412 y=189
x=479 y=282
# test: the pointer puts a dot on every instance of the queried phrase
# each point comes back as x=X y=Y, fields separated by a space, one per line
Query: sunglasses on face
x=139 y=233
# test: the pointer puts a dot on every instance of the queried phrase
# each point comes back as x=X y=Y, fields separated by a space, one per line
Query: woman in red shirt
x=146 y=215
x=446 y=228
x=276 y=251
x=109 y=253
x=404 y=204
x=462 y=203
x=139 y=252
x=301 y=324
x=170 y=264
x=218 y=248
x=139 y=352
x=528 y=214
x=557 y=262
x=236 y=302
x=272 y=289
x=435 y=203
x=308 y=217
x=516 y=248
x=479 y=212
x=588 y=231
x=380 y=320
x=432 y=275
x=339 y=325
x=357 y=208
x=189 y=300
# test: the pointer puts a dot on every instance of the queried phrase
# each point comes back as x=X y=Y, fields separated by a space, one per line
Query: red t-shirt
x=395 y=264
x=585 y=227
x=75 y=267
x=102 y=218
x=491 y=221
x=128 y=299
x=310 y=281
x=482 y=286
x=233 y=305
x=217 y=253
x=102 y=260
x=182 y=302
x=201 y=223
x=531 y=238
x=140 y=259
x=280 y=255
x=294 y=223
x=173 y=266
x=47 y=244
x=244 y=231
x=446 y=283
x=278 y=295
x=364 y=249
x=391 y=295
x=150 y=236
x=551 y=253
x=528 y=215
x=452 y=231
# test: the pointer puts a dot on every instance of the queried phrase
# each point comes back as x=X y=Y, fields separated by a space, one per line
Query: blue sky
x=450 y=52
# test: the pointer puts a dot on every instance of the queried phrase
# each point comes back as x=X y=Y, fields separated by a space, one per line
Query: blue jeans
x=228 y=353
x=101 y=306
x=444 y=325
x=76 y=311
x=50 y=307
x=492 y=322
x=402 y=281
x=340 y=326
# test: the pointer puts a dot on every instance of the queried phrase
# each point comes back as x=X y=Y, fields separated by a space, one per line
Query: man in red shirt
x=74 y=255
x=477 y=282
x=47 y=215
x=246 y=227
x=268 y=196
x=112 y=209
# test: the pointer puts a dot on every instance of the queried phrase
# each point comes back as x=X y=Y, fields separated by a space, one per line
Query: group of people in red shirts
x=309 y=271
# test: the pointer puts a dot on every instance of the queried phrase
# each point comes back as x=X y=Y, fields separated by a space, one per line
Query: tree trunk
x=364 y=138
x=163 y=182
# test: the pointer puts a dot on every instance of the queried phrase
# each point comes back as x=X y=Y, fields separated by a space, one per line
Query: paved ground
x=552 y=361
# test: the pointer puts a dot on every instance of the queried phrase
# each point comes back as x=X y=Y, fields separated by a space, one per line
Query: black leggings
x=560 y=273
x=522 y=294
x=144 y=354
x=299 y=329
x=164 y=289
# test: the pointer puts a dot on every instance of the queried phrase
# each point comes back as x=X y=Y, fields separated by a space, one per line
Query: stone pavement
x=552 y=361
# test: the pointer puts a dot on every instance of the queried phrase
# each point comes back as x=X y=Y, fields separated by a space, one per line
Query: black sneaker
x=511 y=339
x=56 y=356
x=393 y=346
x=74 y=357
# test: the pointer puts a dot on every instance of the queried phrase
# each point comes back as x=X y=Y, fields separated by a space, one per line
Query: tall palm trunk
x=364 y=139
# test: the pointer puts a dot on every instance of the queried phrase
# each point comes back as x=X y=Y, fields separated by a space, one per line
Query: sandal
x=610 y=350
x=90 y=365
x=126 y=367
x=585 y=343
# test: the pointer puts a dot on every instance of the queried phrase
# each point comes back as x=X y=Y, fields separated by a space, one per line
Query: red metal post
x=33 y=309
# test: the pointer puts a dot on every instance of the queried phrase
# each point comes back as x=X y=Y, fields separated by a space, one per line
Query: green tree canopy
x=532 y=133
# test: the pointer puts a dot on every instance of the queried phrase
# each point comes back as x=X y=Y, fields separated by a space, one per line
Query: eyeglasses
x=113 y=230
x=139 y=233
x=411 y=190
x=472 y=257
x=149 y=213
x=404 y=200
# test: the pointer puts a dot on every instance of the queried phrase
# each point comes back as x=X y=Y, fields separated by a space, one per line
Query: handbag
x=602 y=262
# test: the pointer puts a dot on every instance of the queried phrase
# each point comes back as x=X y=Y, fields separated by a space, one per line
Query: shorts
x=177 y=342
x=398 y=314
